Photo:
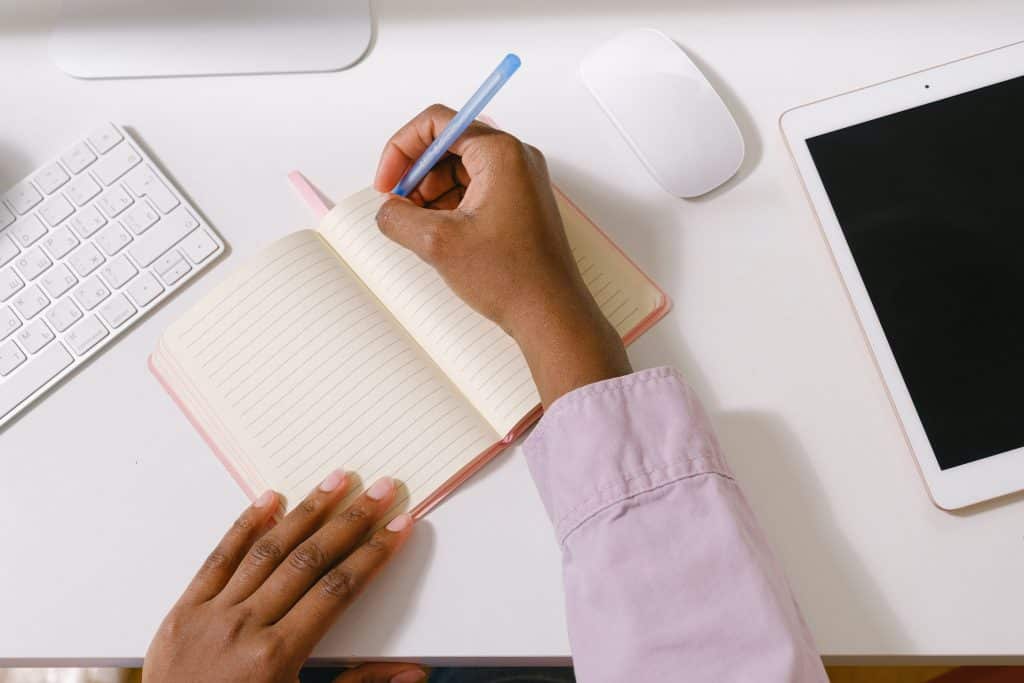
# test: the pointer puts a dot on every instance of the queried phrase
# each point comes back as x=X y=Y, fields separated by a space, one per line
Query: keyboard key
x=88 y=221
x=58 y=280
x=27 y=231
x=23 y=196
x=59 y=242
x=6 y=217
x=144 y=289
x=144 y=183
x=32 y=377
x=140 y=217
x=168 y=232
x=10 y=357
x=115 y=164
x=117 y=311
x=30 y=301
x=78 y=158
x=118 y=272
x=8 y=249
x=105 y=138
x=115 y=201
x=10 y=284
x=171 y=267
x=56 y=210
x=35 y=336
x=86 y=259
x=198 y=246
x=113 y=239
x=82 y=189
x=63 y=314
x=91 y=293
x=86 y=335
x=51 y=178
x=8 y=322
x=32 y=263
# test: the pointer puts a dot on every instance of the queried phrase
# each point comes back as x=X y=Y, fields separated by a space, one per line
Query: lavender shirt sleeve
x=667 y=574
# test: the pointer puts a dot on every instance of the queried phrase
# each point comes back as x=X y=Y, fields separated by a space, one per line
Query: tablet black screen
x=931 y=201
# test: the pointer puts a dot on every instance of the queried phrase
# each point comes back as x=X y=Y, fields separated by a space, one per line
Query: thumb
x=423 y=231
x=383 y=673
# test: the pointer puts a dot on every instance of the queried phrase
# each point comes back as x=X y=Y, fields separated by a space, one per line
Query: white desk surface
x=109 y=500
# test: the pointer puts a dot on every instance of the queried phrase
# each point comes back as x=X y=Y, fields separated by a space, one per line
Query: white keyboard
x=88 y=244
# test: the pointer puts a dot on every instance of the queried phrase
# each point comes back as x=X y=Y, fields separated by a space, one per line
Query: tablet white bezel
x=973 y=482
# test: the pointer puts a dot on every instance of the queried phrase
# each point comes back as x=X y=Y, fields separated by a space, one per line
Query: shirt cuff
x=612 y=440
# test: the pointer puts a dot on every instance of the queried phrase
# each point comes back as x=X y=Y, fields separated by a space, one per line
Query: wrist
x=569 y=344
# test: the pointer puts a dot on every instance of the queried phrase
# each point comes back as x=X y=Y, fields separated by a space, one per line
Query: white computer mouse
x=667 y=111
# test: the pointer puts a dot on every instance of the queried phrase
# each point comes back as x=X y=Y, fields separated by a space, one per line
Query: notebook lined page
x=484 y=362
x=308 y=372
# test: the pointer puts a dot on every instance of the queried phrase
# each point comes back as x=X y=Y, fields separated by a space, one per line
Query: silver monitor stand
x=136 y=38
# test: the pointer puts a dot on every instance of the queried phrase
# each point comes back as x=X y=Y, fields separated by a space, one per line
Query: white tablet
x=918 y=184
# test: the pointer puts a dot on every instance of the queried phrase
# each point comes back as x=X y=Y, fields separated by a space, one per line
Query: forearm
x=667 y=574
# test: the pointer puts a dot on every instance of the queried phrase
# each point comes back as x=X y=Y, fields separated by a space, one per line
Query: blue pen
x=457 y=126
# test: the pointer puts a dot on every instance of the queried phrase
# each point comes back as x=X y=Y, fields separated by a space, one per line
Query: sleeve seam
x=625 y=479
x=564 y=536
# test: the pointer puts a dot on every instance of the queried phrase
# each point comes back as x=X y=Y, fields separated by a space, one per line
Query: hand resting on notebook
x=485 y=217
x=268 y=593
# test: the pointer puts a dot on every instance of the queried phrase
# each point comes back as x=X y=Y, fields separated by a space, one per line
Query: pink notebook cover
x=320 y=206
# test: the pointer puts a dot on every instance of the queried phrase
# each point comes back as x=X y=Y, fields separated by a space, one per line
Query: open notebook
x=336 y=347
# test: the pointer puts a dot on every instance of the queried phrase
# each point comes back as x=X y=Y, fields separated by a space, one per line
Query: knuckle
x=174 y=625
x=309 y=507
x=377 y=545
x=266 y=550
x=243 y=524
x=216 y=560
x=356 y=515
x=436 y=108
x=308 y=557
x=270 y=652
x=234 y=624
x=339 y=583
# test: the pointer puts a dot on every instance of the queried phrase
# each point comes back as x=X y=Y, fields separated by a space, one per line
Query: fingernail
x=381 y=488
x=399 y=523
x=333 y=480
x=409 y=676
x=265 y=499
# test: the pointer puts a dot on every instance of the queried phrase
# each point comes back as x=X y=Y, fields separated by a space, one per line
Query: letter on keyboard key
x=198 y=246
x=168 y=232
x=10 y=283
x=144 y=183
x=56 y=210
x=10 y=357
x=32 y=263
x=86 y=259
x=88 y=221
x=105 y=138
x=35 y=336
x=113 y=239
x=78 y=158
x=117 y=311
x=6 y=217
x=144 y=289
x=8 y=322
x=32 y=377
x=118 y=272
x=27 y=231
x=90 y=293
x=82 y=189
x=63 y=314
x=51 y=178
x=60 y=242
x=23 y=197
x=30 y=302
x=114 y=165
x=86 y=335
x=8 y=249
x=58 y=280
